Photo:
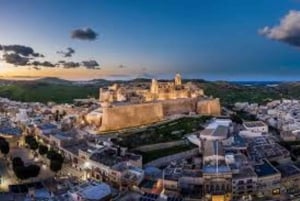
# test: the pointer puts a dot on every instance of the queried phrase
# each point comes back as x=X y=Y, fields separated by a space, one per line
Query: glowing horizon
x=212 y=40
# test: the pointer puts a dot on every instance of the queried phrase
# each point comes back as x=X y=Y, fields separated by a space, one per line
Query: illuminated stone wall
x=131 y=115
x=209 y=107
x=179 y=106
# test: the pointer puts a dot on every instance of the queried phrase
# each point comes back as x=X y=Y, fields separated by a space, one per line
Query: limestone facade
x=123 y=106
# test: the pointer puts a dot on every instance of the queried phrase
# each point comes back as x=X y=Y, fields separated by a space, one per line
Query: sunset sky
x=210 y=39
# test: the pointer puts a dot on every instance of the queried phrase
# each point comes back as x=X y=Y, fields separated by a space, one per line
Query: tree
x=33 y=170
x=43 y=149
x=56 y=160
x=24 y=172
x=4 y=146
x=31 y=142
x=17 y=161
x=55 y=165
x=53 y=155
x=235 y=118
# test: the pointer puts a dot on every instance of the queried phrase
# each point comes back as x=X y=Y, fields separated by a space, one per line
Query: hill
x=61 y=91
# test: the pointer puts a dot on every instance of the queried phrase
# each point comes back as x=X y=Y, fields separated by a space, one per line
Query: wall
x=126 y=116
x=167 y=159
x=131 y=115
x=179 y=106
x=209 y=107
x=158 y=146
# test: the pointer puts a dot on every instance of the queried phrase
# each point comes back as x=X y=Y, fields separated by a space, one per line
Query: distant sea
x=257 y=83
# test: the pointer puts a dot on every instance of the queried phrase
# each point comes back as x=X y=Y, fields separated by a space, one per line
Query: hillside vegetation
x=43 y=92
x=60 y=91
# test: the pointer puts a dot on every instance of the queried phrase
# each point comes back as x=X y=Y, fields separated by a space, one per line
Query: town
x=164 y=141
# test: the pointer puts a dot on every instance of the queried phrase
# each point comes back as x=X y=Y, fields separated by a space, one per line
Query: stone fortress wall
x=126 y=107
x=209 y=107
x=179 y=106
x=126 y=116
x=131 y=115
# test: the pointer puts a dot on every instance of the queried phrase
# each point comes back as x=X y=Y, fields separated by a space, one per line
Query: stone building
x=217 y=175
x=124 y=107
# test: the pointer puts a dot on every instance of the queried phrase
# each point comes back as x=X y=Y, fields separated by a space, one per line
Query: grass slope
x=43 y=92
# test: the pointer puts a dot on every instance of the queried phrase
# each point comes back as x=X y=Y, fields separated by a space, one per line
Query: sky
x=121 y=39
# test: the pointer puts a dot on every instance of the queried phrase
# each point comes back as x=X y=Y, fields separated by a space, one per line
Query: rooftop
x=8 y=130
x=251 y=124
x=212 y=148
x=220 y=168
x=47 y=126
x=238 y=141
x=92 y=191
x=74 y=148
x=245 y=173
x=110 y=157
x=265 y=169
x=288 y=170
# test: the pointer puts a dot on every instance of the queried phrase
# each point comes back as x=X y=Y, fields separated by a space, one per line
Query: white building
x=91 y=191
x=256 y=126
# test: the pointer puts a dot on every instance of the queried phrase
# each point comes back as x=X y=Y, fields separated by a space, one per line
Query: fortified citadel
x=124 y=107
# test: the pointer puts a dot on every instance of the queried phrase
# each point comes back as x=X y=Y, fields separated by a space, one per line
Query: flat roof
x=212 y=148
x=265 y=169
x=251 y=124
x=244 y=173
x=216 y=169
x=93 y=191
x=47 y=126
x=110 y=157
x=287 y=170
x=7 y=130
x=221 y=131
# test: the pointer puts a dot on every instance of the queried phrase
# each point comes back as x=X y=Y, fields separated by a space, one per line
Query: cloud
x=42 y=64
x=70 y=64
x=16 y=59
x=90 y=64
x=84 y=34
x=36 y=68
x=68 y=53
x=19 y=55
x=122 y=66
x=20 y=50
x=288 y=30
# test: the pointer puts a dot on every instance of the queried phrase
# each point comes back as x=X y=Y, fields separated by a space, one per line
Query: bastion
x=124 y=107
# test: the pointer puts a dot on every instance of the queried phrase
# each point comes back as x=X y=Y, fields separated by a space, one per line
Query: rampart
x=179 y=106
x=120 y=117
x=209 y=107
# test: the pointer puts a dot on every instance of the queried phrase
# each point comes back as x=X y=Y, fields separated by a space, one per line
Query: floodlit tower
x=154 y=86
x=177 y=79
